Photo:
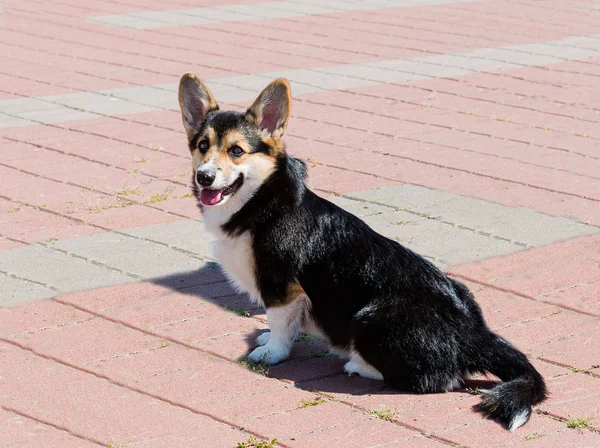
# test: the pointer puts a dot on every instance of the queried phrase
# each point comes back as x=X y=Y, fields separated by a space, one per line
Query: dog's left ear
x=271 y=110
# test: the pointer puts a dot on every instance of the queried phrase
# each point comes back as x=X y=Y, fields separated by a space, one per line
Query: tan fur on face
x=262 y=164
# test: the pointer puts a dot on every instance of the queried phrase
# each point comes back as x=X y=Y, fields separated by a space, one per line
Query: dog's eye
x=236 y=151
x=203 y=146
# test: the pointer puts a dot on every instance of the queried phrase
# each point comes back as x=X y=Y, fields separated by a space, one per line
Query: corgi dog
x=319 y=269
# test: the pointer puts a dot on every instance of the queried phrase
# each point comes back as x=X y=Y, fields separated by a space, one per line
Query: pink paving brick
x=287 y=425
x=543 y=271
x=113 y=216
x=190 y=319
x=481 y=434
x=32 y=225
x=501 y=309
x=38 y=316
x=548 y=334
x=86 y=341
x=364 y=433
x=17 y=430
x=574 y=396
x=93 y=407
x=96 y=300
x=572 y=438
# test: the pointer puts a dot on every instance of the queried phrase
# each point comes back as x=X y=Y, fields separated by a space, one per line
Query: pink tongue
x=211 y=197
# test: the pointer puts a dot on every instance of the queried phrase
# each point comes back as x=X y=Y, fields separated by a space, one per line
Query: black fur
x=419 y=328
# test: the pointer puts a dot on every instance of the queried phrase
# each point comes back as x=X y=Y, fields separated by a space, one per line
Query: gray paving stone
x=516 y=57
x=455 y=246
x=59 y=115
x=421 y=68
x=15 y=291
x=515 y=224
x=133 y=255
x=27 y=105
x=188 y=235
x=7 y=122
x=360 y=209
x=57 y=269
x=406 y=197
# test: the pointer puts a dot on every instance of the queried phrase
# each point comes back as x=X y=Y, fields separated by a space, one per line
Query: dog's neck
x=281 y=191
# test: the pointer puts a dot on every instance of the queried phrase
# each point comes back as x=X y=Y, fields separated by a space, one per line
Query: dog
x=319 y=269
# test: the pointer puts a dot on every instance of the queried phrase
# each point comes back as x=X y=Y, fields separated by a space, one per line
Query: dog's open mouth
x=210 y=196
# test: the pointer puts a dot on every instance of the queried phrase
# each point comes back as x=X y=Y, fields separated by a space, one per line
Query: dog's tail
x=522 y=386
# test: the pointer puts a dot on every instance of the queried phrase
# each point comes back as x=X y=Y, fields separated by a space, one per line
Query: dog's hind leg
x=285 y=324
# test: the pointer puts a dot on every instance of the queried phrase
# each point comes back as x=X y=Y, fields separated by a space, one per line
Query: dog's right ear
x=196 y=102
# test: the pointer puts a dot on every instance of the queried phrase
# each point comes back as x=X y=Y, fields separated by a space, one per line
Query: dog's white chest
x=237 y=258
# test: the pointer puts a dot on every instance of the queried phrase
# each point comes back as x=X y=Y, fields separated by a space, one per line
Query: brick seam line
x=439 y=165
x=177 y=342
x=108 y=165
x=520 y=294
x=126 y=201
x=152 y=56
x=131 y=388
x=459 y=170
x=565 y=420
x=498 y=74
x=52 y=425
x=587 y=372
x=101 y=264
x=18 y=277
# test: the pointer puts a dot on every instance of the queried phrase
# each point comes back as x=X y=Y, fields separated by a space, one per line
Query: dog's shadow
x=311 y=366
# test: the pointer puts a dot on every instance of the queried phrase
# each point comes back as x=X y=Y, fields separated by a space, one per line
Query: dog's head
x=233 y=153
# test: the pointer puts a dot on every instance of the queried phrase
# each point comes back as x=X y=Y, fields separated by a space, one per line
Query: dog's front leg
x=284 y=323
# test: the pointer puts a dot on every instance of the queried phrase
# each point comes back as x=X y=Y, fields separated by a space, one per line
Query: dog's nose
x=205 y=178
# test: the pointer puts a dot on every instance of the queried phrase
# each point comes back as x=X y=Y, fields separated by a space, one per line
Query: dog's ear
x=271 y=110
x=195 y=101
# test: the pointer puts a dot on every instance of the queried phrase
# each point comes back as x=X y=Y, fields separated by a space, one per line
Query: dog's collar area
x=209 y=196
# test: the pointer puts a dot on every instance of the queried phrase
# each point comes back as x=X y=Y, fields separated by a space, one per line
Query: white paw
x=263 y=339
x=268 y=355
x=366 y=371
x=351 y=368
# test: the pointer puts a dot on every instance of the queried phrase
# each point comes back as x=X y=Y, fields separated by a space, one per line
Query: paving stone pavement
x=466 y=130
